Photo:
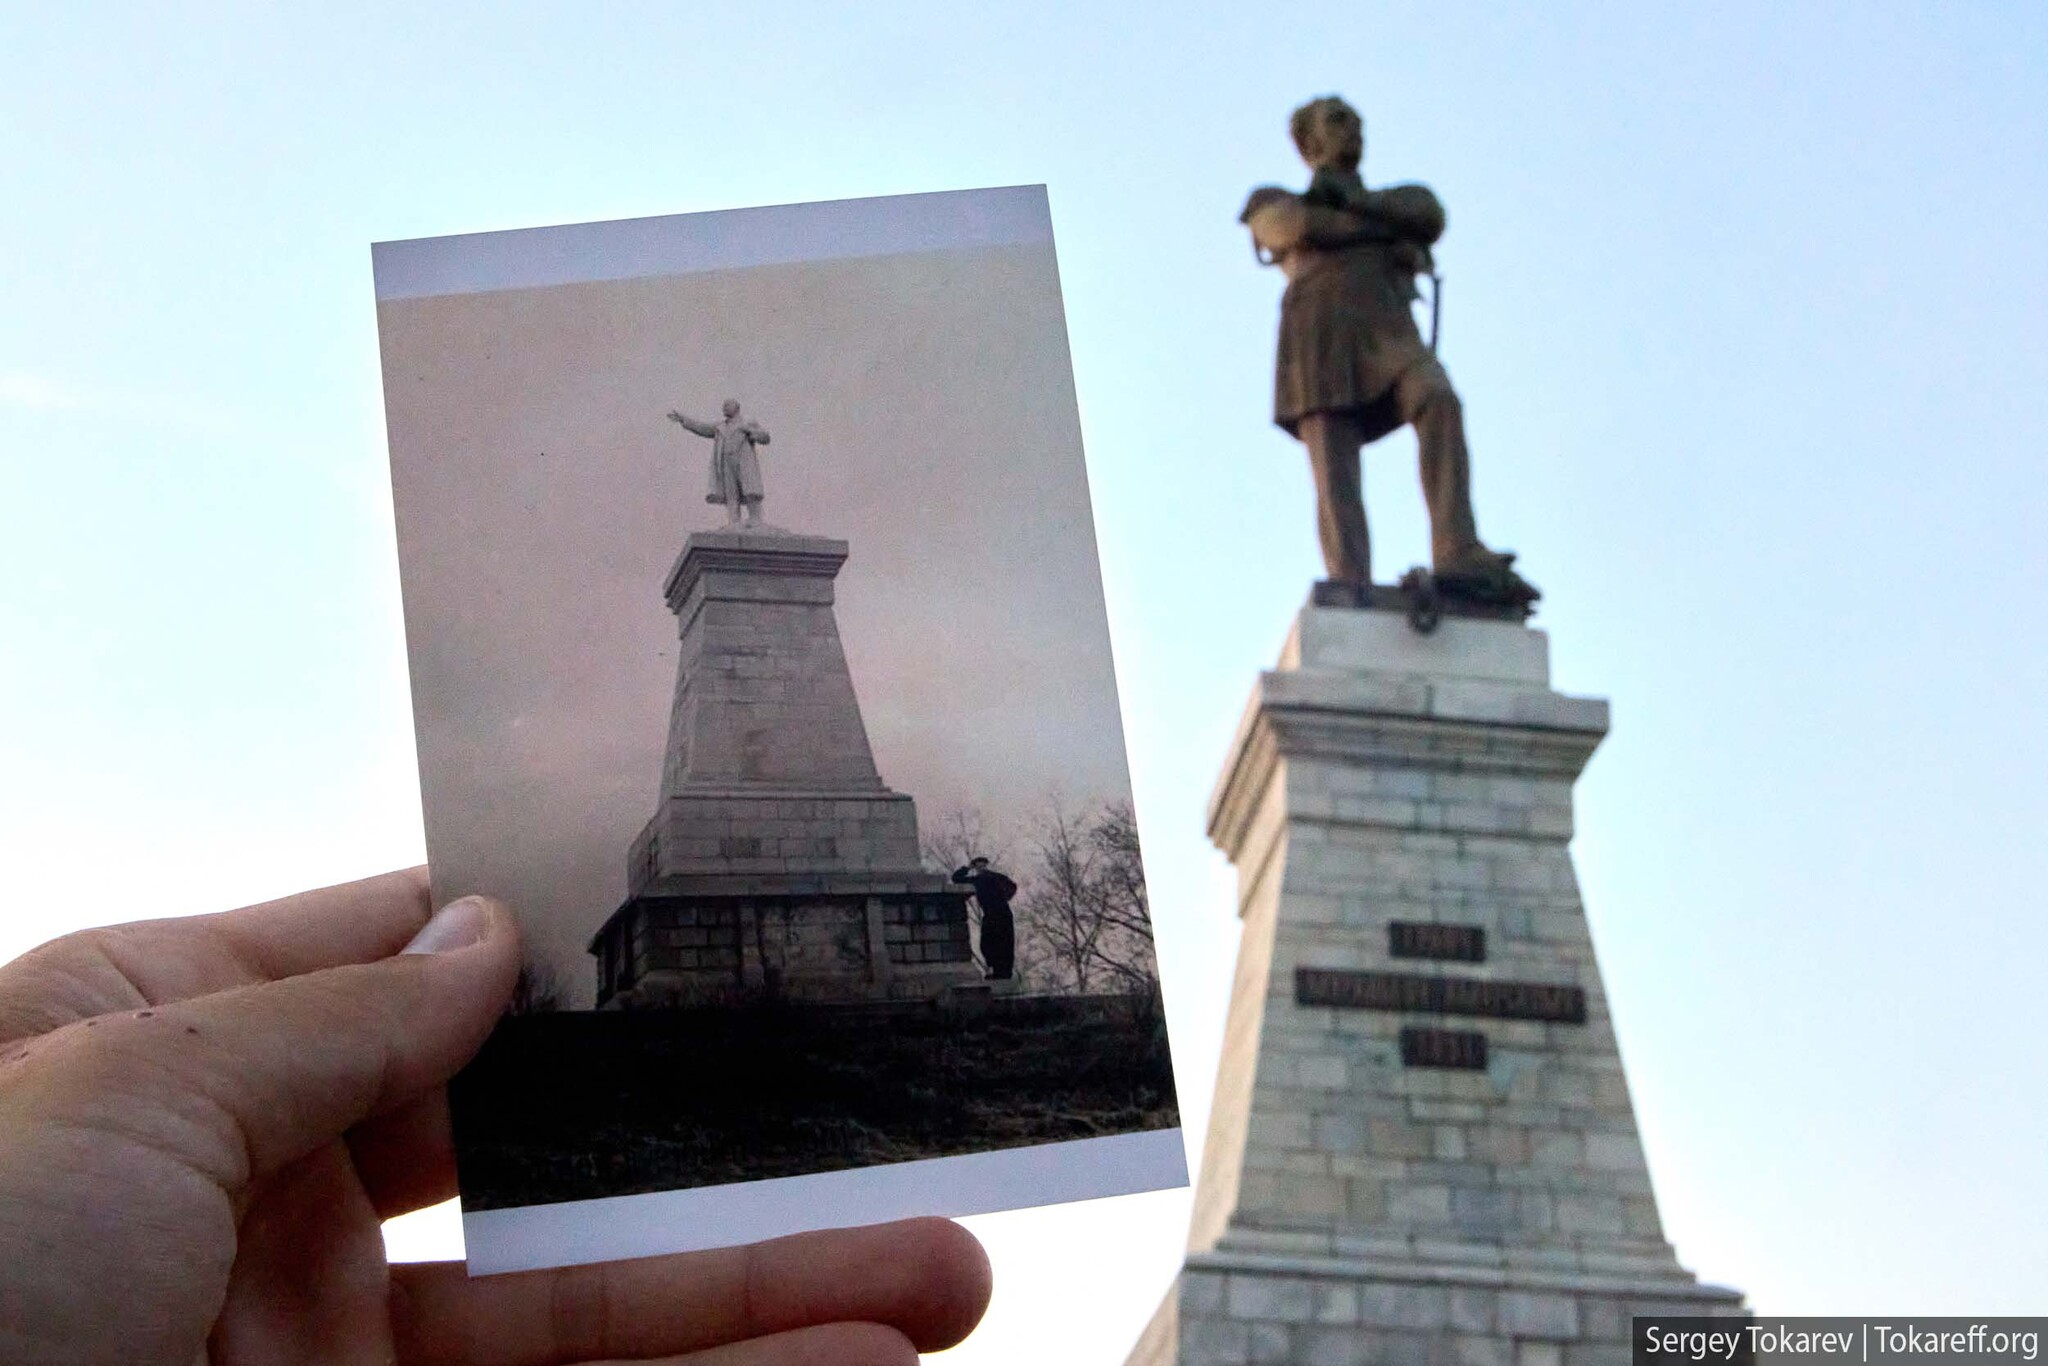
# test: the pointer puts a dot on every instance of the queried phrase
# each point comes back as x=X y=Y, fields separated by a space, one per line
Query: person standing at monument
x=992 y=892
x=735 y=468
x=1352 y=366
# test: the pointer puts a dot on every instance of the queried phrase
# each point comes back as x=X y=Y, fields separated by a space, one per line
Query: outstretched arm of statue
x=692 y=424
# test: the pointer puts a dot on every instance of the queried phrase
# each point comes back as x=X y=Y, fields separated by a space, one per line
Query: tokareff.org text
x=1873 y=1341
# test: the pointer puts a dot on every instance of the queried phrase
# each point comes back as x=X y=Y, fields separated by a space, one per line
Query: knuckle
x=110 y=1053
x=128 y=1080
x=82 y=1069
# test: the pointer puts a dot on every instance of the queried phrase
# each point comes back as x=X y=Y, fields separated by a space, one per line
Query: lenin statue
x=1353 y=366
x=735 y=470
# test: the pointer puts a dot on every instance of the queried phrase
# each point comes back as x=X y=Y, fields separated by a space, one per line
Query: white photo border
x=575 y=1232
x=725 y=239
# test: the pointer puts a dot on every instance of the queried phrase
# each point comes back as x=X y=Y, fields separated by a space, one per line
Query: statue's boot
x=1341 y=593
x=1484 y=575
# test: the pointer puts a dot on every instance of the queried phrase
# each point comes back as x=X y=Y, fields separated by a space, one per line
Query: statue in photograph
x=1352 y=365
x=735 y=469
x=992 y=892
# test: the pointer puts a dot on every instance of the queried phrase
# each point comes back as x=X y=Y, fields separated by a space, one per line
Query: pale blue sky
x=1746 y=303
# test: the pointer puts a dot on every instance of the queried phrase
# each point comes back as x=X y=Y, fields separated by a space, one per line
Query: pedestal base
x=838 y=939
x=1422 y=1148
x=1227 y=1309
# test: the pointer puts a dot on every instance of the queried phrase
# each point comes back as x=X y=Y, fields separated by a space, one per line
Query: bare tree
x=1065 y=901
x=958 y=835
x=1126 y=947
x=1087 y=900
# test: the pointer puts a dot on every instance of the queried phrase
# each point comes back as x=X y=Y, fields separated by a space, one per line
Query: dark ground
x=575 y=1105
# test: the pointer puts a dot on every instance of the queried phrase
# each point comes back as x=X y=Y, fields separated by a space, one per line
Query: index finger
x=157 y=962
x=353 y=922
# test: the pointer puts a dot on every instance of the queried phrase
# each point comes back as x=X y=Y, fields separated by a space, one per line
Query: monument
x=778 y=864
x=735 y=468
x=1352 y=365
x=1422 y=1148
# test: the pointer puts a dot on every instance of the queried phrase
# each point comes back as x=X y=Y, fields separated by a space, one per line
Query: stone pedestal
x=778 y=863
x=1422 y=1148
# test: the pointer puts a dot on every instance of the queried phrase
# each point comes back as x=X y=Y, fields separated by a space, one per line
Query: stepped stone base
x=778 y=865
x=843 y=939
x=1231 y=1308
x=1422 y=1148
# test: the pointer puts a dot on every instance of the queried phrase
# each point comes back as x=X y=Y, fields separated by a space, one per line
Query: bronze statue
x=735 y=469
x=1352 y=365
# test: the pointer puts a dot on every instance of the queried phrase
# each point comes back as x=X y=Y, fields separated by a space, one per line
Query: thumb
x=243 y=1082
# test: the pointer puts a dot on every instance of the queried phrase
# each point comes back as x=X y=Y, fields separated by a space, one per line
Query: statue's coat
x=1346 y=332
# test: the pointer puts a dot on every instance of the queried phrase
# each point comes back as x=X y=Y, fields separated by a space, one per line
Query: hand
x=203 y=1121
x=674 y=416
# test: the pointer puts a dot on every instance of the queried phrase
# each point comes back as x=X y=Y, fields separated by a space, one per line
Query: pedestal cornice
x=761 y=556
x=1398 y=721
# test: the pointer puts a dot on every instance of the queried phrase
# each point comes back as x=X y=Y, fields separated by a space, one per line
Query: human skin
x=204 y=1120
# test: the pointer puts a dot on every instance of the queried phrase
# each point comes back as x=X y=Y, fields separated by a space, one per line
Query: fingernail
x=455 y=926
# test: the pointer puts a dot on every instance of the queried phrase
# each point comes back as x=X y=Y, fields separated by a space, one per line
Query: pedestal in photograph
x=778 y=864
x=1422 y=1148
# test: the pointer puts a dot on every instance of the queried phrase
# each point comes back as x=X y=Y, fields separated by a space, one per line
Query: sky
x=1745 y=304
x=915 y=401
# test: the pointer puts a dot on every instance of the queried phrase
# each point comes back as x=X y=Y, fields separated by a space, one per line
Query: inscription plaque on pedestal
x=1418 y=992
x=1457 y=1049
x=1427 y=939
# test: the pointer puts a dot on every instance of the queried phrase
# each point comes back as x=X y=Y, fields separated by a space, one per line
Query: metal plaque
x=1414 y=992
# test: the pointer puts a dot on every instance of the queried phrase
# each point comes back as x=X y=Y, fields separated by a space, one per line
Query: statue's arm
x=691 y=424
x=1275 y=217
x=1412 y=212
x=756 y=433
x=1281 y=221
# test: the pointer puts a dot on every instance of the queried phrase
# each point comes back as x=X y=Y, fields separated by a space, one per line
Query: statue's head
x=978 y=861
x=732 y=408
x=1329 y=134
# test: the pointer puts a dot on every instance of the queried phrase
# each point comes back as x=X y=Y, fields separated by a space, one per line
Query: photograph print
x=759 y=661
